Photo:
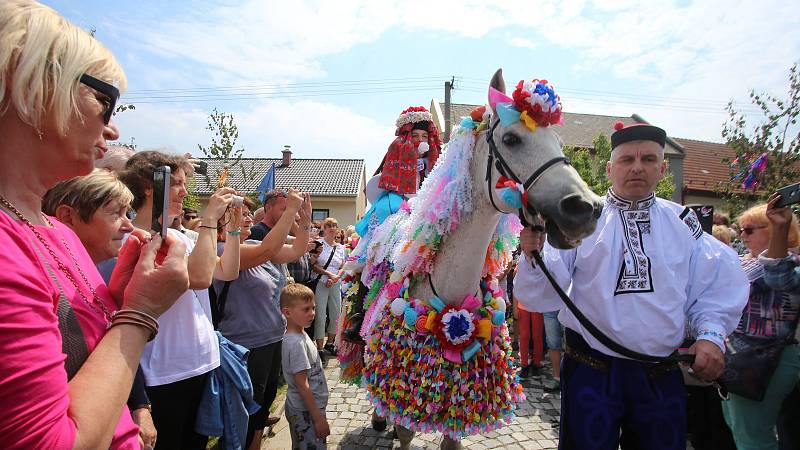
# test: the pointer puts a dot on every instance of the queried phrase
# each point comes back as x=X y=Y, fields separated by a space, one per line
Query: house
x=336 y=185
x=579 y=130
x=704 y=171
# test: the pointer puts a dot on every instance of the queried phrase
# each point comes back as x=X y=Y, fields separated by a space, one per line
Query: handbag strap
x=73 y=343
x=328 y=262
x=218 y=302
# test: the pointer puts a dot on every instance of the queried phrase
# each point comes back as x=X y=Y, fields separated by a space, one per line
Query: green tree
x=591 y=166
x=191 y=200
x=775 y=133
x=223 y=146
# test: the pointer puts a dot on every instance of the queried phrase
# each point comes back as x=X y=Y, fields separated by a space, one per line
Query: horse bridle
x=495 y=159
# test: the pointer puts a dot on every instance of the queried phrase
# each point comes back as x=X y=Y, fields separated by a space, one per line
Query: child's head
x=298 y=305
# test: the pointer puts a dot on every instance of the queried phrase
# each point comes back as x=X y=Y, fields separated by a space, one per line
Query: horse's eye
x=511 y=139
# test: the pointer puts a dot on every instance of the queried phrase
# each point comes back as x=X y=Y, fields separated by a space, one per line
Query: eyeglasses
x=750 y=230
x=106 y=89
x=538 y=228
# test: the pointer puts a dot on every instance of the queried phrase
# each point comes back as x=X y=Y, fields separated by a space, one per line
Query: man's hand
x=294 y=200
x=321 y=427
x=530 y=240
x=709 y=362
x=305 y=211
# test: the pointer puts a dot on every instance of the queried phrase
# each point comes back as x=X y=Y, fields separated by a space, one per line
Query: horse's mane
x=411 y=237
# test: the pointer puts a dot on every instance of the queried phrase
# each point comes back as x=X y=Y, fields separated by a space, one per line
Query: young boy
x=307 y=394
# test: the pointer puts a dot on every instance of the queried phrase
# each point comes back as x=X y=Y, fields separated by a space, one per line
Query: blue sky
x=676 y=63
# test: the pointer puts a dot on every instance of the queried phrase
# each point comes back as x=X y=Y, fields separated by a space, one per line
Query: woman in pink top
x=69 y=356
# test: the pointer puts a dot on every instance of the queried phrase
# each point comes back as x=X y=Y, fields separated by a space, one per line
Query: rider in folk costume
x=410 y=157
x=412 y=154
x=646 y=274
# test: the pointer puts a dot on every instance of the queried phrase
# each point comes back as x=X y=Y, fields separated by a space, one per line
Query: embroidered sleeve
x=690 y=219
x=717 y=290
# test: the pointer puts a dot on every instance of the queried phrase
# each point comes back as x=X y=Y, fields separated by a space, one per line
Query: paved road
x=536 y=425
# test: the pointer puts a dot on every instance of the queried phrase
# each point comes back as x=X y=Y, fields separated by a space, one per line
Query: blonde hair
x=294 y=293
x=757 y=215
x=722 y=233
x=87 y=194
x=329 y=222
x=43 y=57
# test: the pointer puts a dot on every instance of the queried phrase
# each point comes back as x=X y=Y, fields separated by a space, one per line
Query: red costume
x=399 y=170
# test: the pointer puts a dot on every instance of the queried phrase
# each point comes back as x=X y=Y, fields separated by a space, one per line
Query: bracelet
x=235 y=233
x=207 y=226
x=135 y=317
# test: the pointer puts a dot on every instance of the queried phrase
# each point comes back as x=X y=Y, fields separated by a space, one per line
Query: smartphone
x=160 y=220
x=202 y=168
x=789 y=195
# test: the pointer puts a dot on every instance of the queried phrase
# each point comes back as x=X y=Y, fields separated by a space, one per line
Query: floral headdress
x=534 y=103
x=413 y=115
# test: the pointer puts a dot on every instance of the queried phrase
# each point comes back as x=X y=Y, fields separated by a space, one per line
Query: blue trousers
x=621 y=404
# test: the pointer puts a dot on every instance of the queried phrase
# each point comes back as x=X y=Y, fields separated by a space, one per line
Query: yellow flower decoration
x=528 y=120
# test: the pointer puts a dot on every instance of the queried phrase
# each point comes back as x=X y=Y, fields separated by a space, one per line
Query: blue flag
x=267 y=184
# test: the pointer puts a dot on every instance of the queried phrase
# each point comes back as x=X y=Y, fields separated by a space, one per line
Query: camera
x=202 y=168
x=238 y=201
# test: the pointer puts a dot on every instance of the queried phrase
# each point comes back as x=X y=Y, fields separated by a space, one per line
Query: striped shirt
x=769 y=312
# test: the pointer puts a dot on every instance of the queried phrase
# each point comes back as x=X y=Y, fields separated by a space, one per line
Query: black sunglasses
x=750 y=230
x=538 y=228
x=106 y=89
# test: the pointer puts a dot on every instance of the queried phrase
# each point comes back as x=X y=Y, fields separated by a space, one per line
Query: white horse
x=438 y=356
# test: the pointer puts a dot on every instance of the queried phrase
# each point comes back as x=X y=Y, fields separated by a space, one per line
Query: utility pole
x=448 y=120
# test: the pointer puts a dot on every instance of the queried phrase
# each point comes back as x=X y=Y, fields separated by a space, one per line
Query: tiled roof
x=319 y=177
x=703 y=169
x=579 y=130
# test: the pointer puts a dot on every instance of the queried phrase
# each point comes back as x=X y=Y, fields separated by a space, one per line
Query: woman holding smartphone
x=177 y=363
x=58 y=89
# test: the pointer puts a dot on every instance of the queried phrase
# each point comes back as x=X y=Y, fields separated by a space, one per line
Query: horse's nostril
x=576 y=206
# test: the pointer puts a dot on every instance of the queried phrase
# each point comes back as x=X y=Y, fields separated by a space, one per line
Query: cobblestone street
x=349 y=414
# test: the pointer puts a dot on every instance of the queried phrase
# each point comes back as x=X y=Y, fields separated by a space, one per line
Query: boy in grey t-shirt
x=307 y=393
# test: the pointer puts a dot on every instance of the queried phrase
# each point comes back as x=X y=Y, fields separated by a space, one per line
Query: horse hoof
x=378 y=424
x=405 y=436
x=450 y=444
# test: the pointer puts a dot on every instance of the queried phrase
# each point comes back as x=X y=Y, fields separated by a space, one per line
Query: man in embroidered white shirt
x=646 y=272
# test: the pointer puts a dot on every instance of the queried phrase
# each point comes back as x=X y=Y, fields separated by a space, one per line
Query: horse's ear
x=498 y=82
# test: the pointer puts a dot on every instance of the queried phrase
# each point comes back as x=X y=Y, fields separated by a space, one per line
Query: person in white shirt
x=646 y=273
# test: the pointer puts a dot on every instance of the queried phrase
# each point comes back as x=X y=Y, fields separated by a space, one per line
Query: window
x=320 y=214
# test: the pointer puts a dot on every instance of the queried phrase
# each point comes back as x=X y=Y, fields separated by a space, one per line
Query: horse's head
x=532 y=157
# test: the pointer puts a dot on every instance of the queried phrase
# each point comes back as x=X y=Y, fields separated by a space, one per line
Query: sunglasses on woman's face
x=750 y=230
x=111 y=92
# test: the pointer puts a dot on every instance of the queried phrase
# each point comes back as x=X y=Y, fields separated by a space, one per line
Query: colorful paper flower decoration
x=534 y=103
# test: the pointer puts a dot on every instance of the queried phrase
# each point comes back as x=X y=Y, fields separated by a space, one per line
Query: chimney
x=287 y=155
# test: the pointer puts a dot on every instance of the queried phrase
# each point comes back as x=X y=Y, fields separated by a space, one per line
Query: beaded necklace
x=96 y=304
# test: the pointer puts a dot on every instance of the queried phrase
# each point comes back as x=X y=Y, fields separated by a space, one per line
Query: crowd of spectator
x=117 y=337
